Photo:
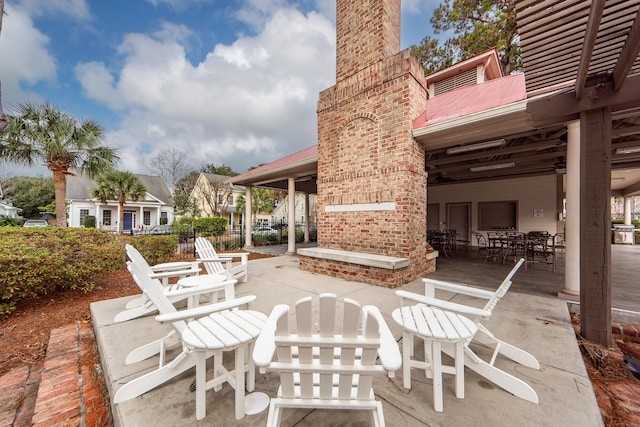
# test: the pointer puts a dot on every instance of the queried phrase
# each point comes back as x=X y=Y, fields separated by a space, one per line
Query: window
x=106 y=217
x=146 y=217
x=220 y=199
x=83 y=213
x=498 y=215
x=230 y=200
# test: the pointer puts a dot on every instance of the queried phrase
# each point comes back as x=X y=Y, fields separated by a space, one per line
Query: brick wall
x=366 y=32
x=367 y=154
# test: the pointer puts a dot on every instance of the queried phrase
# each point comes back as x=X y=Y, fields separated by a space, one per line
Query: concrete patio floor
x=529 y=317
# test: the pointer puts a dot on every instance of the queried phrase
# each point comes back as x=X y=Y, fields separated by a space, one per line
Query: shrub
x=7 y=221
x=89 y=221
x=156 y=249
x=35 y=261
x=211 y=226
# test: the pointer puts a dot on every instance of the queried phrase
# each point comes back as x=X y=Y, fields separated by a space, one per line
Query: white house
x=7 y=209
x=149 y=211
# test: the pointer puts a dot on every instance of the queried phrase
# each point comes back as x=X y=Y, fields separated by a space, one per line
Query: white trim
x=361 y=207
x=514 y=107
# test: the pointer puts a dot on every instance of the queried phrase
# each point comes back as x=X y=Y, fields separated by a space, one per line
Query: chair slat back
x=327 y=329
x=205 y=250
x=137 y=258
x=504 y=287
x=330 y=376
x=152 y=288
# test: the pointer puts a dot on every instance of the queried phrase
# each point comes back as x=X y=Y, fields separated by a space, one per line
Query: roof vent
x=465 y=78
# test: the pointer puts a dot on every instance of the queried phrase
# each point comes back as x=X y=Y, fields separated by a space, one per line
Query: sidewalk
x=536 y=323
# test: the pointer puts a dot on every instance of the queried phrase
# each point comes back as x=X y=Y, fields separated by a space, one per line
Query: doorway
x=458 y=219
x=433 y=216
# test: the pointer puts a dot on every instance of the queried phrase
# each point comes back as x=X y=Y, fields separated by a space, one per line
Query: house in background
x=155 y=208
x=7 y=209
x=281 y=212
x=215 y=198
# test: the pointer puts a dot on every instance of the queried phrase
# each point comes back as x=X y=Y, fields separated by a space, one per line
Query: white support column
x=247 y=218
x=306 y=217
x=627 y=210
x=572 y=229
x=291 y=235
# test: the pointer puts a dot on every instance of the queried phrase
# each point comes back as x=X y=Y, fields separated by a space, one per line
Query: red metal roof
x=306 y=154
x=472 y=99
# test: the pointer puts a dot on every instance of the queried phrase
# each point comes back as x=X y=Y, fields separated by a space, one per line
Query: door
x=127 y=222
x=458 y=215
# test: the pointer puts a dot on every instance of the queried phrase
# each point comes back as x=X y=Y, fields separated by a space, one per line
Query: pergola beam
x=591 y=34
x=628 y=55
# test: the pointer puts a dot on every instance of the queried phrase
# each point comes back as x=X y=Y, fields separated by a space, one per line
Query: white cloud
x=246 y=103
x=178 y=4
x=31 y=60
x=75 y=9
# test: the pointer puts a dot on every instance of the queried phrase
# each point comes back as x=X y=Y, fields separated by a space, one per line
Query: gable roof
x=80 y=187
x=302 y=165
x=473 y=99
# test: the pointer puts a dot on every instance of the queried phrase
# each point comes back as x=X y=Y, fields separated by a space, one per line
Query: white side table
x=435 y=327
x=221 y=331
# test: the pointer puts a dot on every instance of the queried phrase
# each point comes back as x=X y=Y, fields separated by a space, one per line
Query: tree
x=262 y=200
x=29 y=193
x=169 y=164
x=218 y=170
x=120 y=186
x=42 y=132
x=214 y=194
x=477 y=25
x=182 y=195
x=3 y=120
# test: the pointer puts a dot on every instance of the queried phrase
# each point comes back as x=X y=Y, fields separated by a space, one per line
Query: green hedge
x=36 y=261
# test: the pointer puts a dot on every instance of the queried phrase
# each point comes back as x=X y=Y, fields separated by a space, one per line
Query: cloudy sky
x=231 y=82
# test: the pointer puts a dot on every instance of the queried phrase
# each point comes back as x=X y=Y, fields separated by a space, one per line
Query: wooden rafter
x=591 y=34
x=628 y=55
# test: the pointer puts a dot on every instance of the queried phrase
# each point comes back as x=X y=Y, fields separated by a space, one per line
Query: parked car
x=262 y=231
x=35 y=223
x=160 y=229
x=183 y=236
x=279 y=226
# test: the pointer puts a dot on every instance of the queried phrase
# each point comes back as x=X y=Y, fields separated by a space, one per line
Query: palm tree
x=42 y=132
x=3 y=121
x=120 y=186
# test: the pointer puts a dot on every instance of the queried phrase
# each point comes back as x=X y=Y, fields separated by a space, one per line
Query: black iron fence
x=231 y=239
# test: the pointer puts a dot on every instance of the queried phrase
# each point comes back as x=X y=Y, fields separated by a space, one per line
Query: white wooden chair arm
x=204 y=310
x=219 y=259
x=389 y=352
x=445 y=305
x=170 y=266
x=430 y=285
x=188 y=291
x=243 y=255
x=175 y=273
x=265 y=345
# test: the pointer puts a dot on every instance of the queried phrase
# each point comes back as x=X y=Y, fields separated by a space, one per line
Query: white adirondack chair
x=215 y=264
x=483 y=336
x=208 y=285
x=202 y=332
x=326 y=369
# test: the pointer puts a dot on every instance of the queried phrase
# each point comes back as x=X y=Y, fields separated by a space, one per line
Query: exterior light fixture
x=474 y=147
x=628 y=150
x=492 y=167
